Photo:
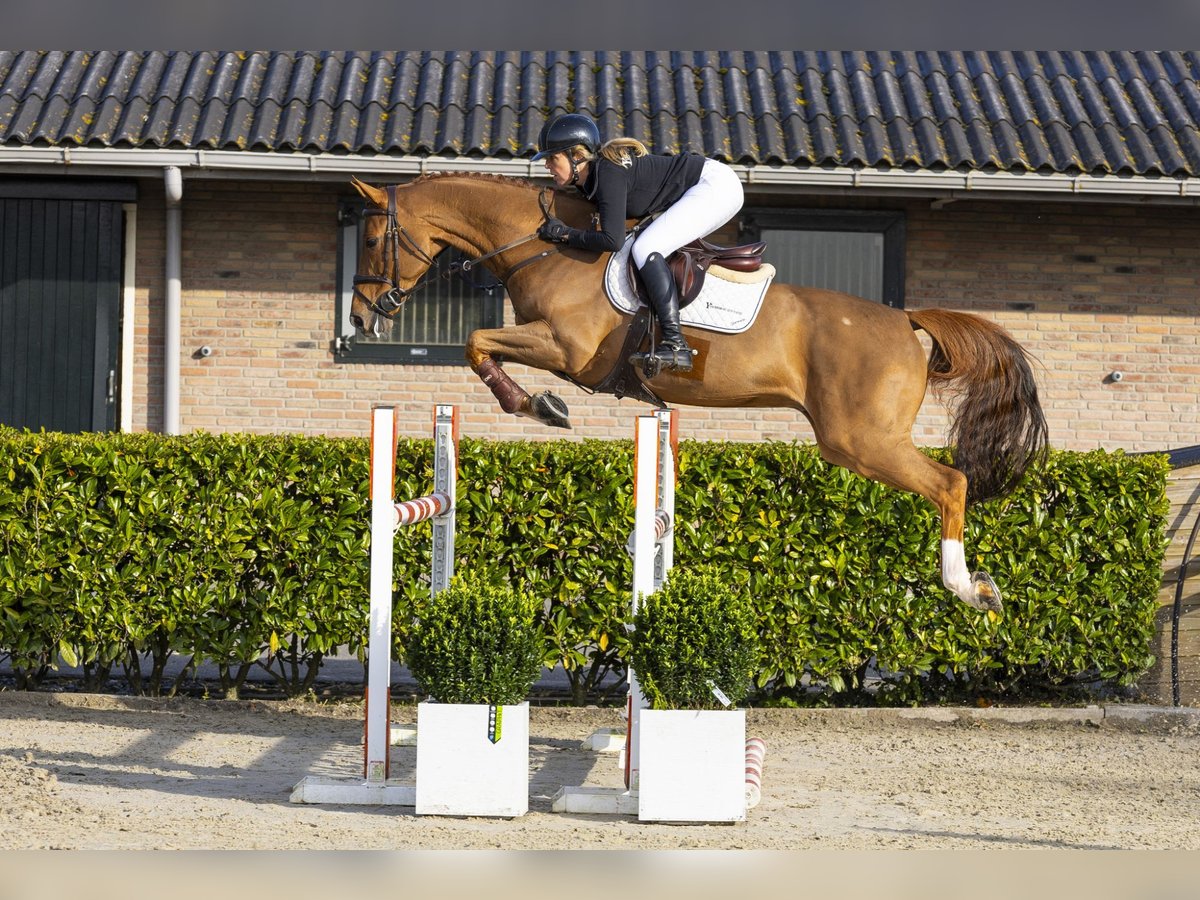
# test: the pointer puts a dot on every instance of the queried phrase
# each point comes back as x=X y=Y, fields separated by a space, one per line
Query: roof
x=1123 y=112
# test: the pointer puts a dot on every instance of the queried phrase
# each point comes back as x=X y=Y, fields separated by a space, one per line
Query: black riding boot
x=672 y=351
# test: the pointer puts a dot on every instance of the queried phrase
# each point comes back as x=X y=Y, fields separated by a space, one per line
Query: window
x=855 y=251
x=432 y=327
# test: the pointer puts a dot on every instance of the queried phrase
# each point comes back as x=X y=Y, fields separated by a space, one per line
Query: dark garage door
x=60 y=292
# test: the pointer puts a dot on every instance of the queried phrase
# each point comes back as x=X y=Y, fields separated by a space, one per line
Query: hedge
x=250 y=550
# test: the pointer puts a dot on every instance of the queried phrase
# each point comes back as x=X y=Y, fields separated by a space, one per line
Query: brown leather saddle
x=689 y=264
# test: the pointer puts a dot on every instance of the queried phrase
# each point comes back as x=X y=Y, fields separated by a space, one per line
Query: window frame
x=349 y=349
x=888 y=223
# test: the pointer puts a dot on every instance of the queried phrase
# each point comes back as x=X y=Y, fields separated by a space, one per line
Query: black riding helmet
x=564 y=132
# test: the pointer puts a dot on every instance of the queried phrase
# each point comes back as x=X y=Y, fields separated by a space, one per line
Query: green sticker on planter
x=495 y=723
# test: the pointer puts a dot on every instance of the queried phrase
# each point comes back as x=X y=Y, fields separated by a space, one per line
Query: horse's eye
x=373 y=242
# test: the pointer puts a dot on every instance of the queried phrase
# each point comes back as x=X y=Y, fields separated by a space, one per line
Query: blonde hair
x=615 y=151
x=618 y=149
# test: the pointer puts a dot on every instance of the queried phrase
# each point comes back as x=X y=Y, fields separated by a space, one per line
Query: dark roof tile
x=52 y=71
x=903 y=145
x=210 y=124
x=105 y=120
x=1167 y=157
x=24 y=124
x=1189 y=144
x=9 y=107
x=121 y=76
x=50 y=118
x=397 y=128
x=1034 y=148
x=1087 y=148
x=343 y=128
x=1116 y=156
x=983 y=146
x=158 y=123
x=262 y=134
x=19 y=72
x=874 y=140
x=1091 y=111
x=823 y=140
x=932 y=149
x=132 y=127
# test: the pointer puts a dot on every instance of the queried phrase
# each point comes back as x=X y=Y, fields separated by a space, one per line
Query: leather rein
x=388 y=303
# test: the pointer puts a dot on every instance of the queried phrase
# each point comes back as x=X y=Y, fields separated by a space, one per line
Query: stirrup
x=670 y=358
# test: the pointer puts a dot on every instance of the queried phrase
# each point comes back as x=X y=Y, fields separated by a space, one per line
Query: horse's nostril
x=357 y=322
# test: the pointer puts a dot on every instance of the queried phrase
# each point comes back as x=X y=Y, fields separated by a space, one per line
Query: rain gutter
x=946 y=186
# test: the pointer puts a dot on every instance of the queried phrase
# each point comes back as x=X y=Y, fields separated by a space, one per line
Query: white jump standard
x=656 y=452
x=375 y=787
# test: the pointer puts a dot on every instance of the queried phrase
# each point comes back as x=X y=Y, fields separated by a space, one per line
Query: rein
x=389 y=303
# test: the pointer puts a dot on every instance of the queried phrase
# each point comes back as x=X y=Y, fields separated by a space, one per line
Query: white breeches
x=704 y=207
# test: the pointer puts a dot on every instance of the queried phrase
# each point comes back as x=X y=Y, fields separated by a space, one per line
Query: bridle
x=388 y=303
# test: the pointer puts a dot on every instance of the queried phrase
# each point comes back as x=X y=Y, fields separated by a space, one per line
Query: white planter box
x=692 y=765
x=460 y=772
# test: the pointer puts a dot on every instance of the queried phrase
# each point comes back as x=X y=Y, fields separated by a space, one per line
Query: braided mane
x=480 y=176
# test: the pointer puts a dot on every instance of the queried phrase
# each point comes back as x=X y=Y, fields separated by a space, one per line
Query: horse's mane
x=477 y=176
x=568 y=196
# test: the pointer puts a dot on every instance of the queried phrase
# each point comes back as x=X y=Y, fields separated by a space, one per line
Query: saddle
x=690 y=263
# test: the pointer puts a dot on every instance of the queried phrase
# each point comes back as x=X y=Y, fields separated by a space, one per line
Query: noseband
x=389 y=302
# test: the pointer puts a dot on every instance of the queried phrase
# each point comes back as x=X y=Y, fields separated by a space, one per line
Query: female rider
x=695 y=196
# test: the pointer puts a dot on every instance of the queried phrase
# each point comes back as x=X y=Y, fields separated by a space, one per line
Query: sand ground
x=84 y=771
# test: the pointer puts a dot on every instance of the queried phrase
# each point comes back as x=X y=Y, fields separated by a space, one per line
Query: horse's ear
x=375 y=195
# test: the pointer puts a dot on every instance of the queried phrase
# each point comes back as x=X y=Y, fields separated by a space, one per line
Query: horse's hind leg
x=904 y=467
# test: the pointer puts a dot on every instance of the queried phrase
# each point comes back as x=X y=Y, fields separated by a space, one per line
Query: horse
x=855 y=368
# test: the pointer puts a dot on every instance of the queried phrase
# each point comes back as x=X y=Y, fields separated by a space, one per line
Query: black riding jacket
x=650 y=184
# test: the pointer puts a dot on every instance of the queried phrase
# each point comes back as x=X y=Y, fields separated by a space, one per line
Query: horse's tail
x=998 y=428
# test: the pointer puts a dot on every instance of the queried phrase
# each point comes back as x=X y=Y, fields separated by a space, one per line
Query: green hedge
x=249 y=550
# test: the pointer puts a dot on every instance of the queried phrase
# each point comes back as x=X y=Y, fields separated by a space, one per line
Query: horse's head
x=397 y=250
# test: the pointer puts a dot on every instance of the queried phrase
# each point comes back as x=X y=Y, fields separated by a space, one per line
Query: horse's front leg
x=532 y=344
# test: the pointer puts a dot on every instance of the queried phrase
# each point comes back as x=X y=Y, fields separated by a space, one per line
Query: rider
x=694 y=195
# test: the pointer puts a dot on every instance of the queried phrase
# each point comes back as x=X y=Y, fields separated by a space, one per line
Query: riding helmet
x=564 y=132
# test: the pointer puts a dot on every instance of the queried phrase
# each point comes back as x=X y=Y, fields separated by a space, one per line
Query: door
x=60 y=292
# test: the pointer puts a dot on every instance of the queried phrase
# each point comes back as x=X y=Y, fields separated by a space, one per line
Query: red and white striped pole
x=756 y=751
x=410 y=512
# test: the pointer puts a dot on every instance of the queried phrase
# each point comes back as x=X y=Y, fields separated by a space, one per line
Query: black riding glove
x=554 y=230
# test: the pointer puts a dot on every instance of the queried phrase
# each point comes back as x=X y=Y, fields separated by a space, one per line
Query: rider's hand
x=553 y=230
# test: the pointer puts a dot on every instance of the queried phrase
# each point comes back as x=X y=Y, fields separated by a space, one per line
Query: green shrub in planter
x=476 y=641
x=698 y=631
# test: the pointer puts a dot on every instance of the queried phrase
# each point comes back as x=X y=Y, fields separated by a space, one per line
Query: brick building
x=1052 y=192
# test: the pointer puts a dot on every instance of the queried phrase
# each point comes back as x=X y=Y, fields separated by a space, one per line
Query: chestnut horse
x=855 y=368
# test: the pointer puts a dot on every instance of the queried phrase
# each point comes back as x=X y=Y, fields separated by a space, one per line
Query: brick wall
x=1087 y=288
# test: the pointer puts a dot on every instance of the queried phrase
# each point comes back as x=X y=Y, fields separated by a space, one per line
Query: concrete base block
x=353 y=791
x=461 y=771
x=692 y=766
x=605 y=740
x=596 y=801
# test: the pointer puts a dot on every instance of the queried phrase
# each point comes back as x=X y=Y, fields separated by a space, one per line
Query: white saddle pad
x=728 y=302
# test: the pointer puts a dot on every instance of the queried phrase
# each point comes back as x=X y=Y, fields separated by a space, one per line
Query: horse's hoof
x=987 y=595
x=549 y=409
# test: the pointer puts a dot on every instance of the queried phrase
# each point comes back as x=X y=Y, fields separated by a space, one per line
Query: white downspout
x=128 y=315
x=173 y=183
